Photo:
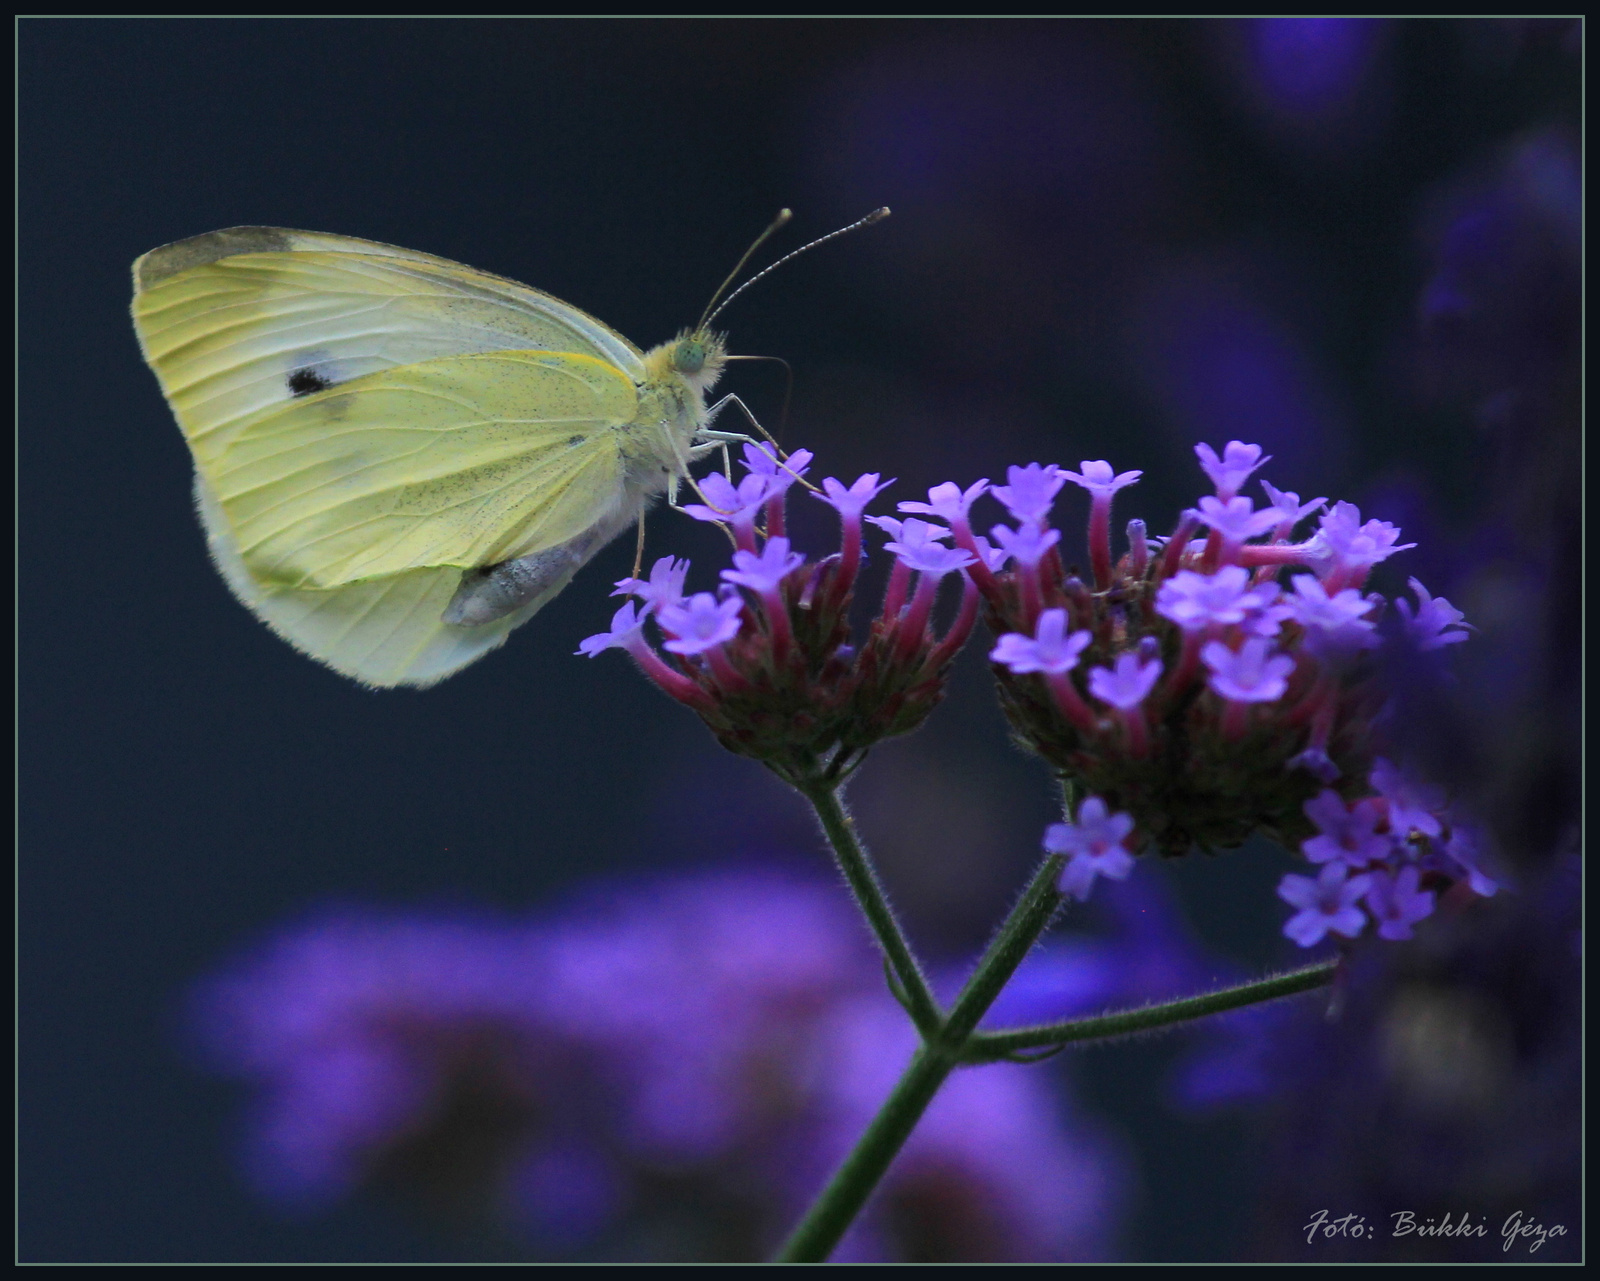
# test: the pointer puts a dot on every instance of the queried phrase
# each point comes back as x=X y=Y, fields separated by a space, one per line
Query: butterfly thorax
x=672 y=406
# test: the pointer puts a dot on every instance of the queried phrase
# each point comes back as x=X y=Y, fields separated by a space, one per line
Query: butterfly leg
x=638 y=548
x=715 y=411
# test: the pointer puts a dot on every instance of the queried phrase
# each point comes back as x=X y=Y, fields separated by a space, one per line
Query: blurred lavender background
x=1355 y=242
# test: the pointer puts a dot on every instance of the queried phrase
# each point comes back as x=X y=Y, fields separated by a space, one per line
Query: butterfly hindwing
x=382 y=631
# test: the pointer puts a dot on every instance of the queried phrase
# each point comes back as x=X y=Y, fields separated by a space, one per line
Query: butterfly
x=397 y=458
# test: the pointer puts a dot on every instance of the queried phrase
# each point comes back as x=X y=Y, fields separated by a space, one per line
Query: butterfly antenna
x=783 y=217
x=877 y=215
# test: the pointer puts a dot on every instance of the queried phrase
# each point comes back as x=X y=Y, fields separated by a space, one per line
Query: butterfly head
x=697 y=357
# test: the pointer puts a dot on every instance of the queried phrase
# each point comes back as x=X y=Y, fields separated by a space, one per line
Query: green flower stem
x=943 y=1048
x=986 y=1047
x=950 y=1041
x=916 y=995
x=832 y=1213
x=1028 y=919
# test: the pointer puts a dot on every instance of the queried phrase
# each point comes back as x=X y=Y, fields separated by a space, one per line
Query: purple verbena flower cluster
x=674 y=1067
x=1383 y=858
x=767 y=660
x=1200 y=691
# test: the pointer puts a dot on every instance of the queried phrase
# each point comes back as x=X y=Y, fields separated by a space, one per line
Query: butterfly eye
x=690 y=357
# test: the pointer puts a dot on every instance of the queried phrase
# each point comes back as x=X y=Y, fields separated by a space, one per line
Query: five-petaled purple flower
x=1128 y=684
x=1396 y=902
x=1051 y=650
x=664 y=586
x=1236 y=519
x=1030 y=492
x=1327 y=903
x=1289 y=508
x=1345 y=832
x=1435 y=617
x=1348 y=548
x=1334 y=622
x=1413 y=806
x=1094 y=845
x=700 y=623
x=762 y=571
x=1197 y=601
x=1254 y=673
x=1230 y=472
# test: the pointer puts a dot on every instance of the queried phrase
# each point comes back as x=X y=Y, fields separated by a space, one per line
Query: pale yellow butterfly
x=398 y=459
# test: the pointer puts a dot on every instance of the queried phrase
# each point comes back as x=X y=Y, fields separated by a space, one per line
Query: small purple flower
x=917 y=545
x=1332 y=622
x=1028 y=544
x=1289 y=507
x=1236 y=519
x=665 y=585
x=992 y=556
x=626 y=631
x=1095 y=845
x=1327 y=903
x=1316 y=762
x=1460 y=857
x=931 y=558
x=1396 y=902
x=910 y=532
x=1099 y=479
x=735 y=506
x=1412 y=806
x=1350 y=548
x=850 y=503
x=700 y=623
x=1196 y=601
x=1429 y=628
x=949 y=501
x=1126 y=686
x=763 y=572
x=762 y=461
x=1031 y=491
x=1347 y=832
x=1264 y=610
x=1051 y=651
x=1253 y=674
x=1230 y=472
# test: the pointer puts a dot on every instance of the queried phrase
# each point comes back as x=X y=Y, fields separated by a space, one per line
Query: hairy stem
x=863 y=881
x=949 y=1041
x=942 y=1049
x=985 y=1047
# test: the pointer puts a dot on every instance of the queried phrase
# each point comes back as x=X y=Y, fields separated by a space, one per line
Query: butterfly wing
x=465 y=462
x=382 y=632
x=235 y=321
x=356 y=447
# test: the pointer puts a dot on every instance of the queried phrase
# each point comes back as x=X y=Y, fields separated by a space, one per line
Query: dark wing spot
x=576 y=440
x=304 y=382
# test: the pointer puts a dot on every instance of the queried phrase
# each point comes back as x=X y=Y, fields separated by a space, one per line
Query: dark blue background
x=1079 y=208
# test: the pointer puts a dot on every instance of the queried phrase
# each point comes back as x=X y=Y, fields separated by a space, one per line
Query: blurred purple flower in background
x=1317 y=84
x=667 y=1070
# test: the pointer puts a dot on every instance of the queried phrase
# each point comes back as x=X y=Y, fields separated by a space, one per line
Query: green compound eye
x=690 y=357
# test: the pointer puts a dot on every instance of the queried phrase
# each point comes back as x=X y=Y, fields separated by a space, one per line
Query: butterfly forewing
x=294 y=313
x=467 y=461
